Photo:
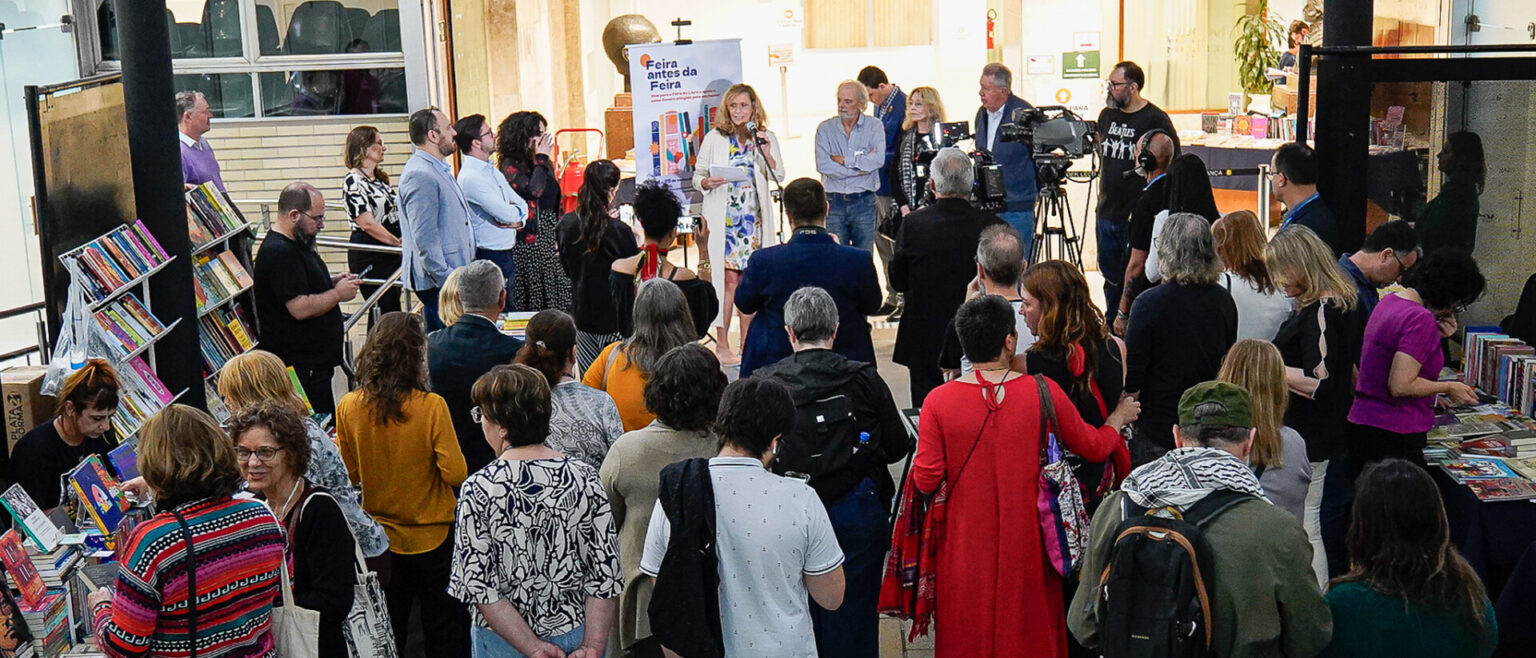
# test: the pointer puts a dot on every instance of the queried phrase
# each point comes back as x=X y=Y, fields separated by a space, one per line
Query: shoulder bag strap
x=613 y=353
x=1047 y=418
x=186 y=534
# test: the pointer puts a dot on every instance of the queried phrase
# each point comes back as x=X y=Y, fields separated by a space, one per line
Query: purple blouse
x=1397 y=325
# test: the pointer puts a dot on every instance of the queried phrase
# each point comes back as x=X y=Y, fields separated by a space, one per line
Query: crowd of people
x=600 y=486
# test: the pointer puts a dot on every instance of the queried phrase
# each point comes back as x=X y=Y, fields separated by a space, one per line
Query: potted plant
x=1257 y=48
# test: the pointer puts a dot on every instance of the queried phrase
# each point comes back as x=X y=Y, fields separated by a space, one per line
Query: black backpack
x=824 y=445
x=1154 y=594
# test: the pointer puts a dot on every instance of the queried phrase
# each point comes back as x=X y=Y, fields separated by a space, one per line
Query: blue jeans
x=1023 y=221
x=485 y=643
x=863 y=531
x=851 y=217
x=503 y=260
x=428 y=300
x=1113 y=245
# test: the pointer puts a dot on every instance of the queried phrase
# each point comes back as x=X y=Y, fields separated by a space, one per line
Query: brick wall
x=258 y=158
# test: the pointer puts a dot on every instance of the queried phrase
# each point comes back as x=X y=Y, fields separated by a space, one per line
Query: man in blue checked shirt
x=850 y=152
x=495 y=211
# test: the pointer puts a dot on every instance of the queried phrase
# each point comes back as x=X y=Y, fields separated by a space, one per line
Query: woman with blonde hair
x=919 y=136
x=742 y=209
x=1261 y=307
x=449 y=308
x=259 y=376
x=1320 y=344
x=232 y=548
x=374 y=212
x=398 y=442
x=1279 y=455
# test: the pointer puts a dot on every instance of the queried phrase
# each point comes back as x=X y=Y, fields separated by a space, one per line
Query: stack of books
x=16 y=641
x=49 y=622
x=211 y=215
x=1490 y=478
x=112 y=261
x=1502 y=366
x=217 y=278
x=129 y=324
x=224 y=334
x=142 y=395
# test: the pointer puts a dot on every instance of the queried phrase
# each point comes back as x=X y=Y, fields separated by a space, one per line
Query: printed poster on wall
x=676 y=93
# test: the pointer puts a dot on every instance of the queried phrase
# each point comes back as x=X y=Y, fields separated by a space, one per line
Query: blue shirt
x=863 y=152
x=1365 y=290
x=890 y=113
x=495 y=211
x=1290 y=214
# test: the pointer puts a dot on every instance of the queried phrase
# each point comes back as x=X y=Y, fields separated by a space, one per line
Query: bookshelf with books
x=221 y=279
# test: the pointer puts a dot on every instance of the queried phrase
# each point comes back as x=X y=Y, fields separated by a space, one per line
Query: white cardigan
x=715 y=149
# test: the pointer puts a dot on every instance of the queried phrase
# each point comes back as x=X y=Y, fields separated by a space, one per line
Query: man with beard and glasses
x=1125 y=119
x=298 y=301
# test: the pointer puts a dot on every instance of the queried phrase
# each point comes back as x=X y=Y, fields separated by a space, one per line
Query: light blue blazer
x=435 y=234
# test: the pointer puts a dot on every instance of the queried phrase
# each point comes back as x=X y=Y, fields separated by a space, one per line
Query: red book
x=23 y=574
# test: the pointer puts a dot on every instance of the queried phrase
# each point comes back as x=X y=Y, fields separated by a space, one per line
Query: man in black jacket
x=934 y=262
x=847 y=431
x=457 y=355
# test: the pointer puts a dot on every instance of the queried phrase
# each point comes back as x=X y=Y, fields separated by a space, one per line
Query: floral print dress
x=743 y=232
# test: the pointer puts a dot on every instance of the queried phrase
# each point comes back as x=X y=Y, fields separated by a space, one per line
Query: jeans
x=1023 y=221
x=423 y=578
x=851 y=217
x=503 y=260
x=860 y=522
x=487 y=644
x=428 y=300
x=317 y=387
x=1113 y=244
x=1311 y=522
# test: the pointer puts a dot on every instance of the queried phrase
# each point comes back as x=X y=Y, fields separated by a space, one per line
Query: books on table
x=43 y=533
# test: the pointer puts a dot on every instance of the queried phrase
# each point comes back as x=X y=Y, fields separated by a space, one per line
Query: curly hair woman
x=524 y=149
x=398 y=443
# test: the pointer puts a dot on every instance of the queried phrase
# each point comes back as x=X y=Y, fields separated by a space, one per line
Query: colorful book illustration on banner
x=20 y=568
x=25 y=513
x=125 y=460
x=99 y=493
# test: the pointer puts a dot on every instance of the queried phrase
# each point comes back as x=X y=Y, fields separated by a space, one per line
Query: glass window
x=229 y=94
x=349 y=91
x=323 y=27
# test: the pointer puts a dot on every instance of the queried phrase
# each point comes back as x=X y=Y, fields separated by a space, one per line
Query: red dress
x=995 y=593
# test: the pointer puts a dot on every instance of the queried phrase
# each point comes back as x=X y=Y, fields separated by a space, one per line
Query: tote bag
x=1063 y=514
x=367 y=628
x=295 y=630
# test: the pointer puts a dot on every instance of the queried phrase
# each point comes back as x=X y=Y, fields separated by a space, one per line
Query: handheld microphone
x=752 y=129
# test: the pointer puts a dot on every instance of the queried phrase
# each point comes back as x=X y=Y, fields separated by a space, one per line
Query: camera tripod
x=1056 y=234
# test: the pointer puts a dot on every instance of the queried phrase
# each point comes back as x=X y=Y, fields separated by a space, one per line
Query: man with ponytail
x=77 y=430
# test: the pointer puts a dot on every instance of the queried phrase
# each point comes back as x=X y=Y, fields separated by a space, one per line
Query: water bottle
x=863 y=442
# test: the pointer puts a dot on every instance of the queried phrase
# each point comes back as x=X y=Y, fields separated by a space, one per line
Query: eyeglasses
x=487 y=134
x=1115 y=85
x=475 y=415
x=263 y=455
x=1401 y=266
x=319 y=218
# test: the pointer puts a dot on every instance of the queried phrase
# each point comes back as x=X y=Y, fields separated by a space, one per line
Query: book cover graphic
x=1496 y=489
x=99 y=493
x=1473 y=468
x=298 y=387
x=15 y=637
x=21 y=569
x=43 y=533
x=125 y=460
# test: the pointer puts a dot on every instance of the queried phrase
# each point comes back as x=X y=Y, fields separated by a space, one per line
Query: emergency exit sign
x=1080 y=64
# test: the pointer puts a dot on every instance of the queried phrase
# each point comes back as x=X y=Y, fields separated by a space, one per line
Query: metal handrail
x=36 y=308
x=372 y=300
x=22 y=310
x=338 y=243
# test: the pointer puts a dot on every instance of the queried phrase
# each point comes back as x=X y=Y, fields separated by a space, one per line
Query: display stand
x=221 y=271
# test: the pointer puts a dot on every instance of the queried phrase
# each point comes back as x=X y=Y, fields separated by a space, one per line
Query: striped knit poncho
x=239 y=548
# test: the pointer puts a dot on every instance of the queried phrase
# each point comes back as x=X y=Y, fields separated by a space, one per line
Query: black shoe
x=888 y=308
x=896 y=316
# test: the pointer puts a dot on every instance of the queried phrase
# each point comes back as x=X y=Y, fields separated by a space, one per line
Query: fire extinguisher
x=991 y=29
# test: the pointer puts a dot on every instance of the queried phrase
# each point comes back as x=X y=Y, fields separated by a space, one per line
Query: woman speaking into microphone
x=740 y=204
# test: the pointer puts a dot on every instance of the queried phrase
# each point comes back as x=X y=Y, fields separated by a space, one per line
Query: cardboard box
x=25 y=405
x=1285 y=97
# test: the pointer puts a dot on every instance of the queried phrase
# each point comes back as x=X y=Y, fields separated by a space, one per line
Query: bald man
x=1153 y=200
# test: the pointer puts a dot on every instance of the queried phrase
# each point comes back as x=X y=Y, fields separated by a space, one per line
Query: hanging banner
x=676 y=93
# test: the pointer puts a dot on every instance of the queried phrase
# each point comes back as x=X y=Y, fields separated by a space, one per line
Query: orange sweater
x=624 y=383
x=407 y=471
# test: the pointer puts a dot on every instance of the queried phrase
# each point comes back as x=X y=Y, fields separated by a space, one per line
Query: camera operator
x=934 y=264
x=997 y=107
x=1126 y=118
x=1153 y=153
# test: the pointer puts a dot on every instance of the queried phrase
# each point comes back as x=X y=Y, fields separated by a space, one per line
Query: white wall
x=26 y=58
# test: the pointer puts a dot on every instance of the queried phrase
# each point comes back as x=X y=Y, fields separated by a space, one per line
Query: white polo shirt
x=770 y=532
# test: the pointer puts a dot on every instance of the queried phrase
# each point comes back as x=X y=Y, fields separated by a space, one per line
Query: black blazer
x=456 y=357
x=934 y=261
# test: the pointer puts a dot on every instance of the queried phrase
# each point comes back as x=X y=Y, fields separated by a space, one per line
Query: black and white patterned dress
x=541 y=281
x=371 y=195
x=540 y=534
